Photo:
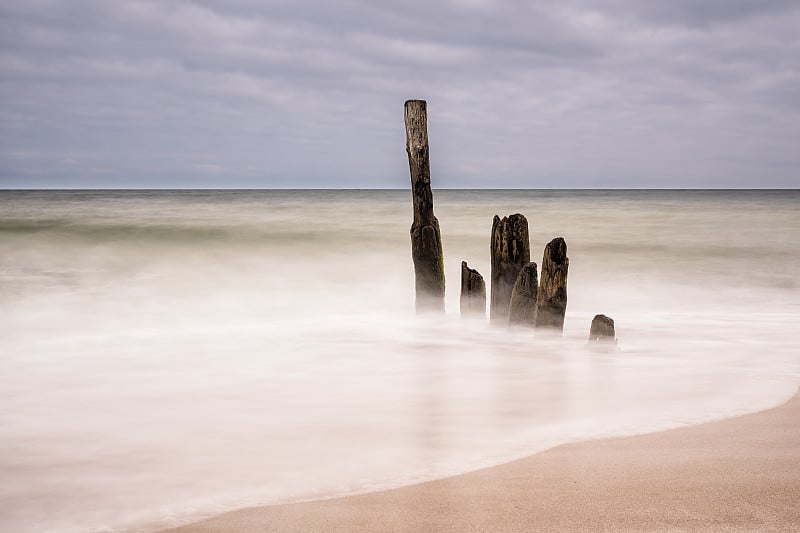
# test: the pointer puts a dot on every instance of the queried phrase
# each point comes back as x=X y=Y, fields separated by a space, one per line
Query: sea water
x=166 y=355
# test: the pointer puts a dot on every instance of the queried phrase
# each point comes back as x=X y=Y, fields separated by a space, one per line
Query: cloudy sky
x=309 y=93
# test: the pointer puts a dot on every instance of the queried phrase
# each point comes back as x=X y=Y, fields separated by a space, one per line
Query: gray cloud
x=247 y=93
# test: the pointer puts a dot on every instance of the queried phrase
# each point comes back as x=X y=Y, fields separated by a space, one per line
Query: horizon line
x=399 y=188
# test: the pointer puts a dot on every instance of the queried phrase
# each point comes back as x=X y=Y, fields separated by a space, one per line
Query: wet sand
x=741 y=474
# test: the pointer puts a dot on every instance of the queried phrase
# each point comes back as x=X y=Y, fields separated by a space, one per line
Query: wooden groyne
x=520 y=296
x=522 y=308
x=551 y=303
x=473 y=292
x=511 y=250
x=426 y=239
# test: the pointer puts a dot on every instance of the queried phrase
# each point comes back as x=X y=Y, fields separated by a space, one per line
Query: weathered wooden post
x=473 y=292
x=552 y=298
x=510 y=252
x=426 y=240
x=523 y=297
x=602 y=329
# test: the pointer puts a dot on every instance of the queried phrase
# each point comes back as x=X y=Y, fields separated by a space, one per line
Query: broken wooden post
x=523 y=297
x=473 y=292
x=552 y=297
x=426 y=240
x=602 y=329
x=510 y=252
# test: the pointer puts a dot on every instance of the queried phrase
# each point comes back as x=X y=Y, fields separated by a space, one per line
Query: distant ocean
x=170 y=354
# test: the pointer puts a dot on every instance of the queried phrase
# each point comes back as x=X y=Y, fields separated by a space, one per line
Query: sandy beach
x=741 y=474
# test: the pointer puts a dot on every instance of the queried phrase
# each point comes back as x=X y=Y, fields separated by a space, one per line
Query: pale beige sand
x=741 y=474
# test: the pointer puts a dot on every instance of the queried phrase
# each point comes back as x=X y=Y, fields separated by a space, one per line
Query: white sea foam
x=165 y=356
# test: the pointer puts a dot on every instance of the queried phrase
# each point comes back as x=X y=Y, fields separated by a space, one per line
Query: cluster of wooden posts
x=518 y=297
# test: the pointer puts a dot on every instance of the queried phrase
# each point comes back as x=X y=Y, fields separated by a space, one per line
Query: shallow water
x=166 y=355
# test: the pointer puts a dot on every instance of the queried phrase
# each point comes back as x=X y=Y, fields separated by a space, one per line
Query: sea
x=169 y=355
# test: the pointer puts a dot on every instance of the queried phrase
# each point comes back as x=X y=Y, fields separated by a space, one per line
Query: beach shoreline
x=737 y=474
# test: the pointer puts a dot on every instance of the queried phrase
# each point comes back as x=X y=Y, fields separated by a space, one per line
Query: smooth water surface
x=165 y=355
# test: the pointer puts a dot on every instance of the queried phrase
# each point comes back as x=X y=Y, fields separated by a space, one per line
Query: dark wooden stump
x=510 y=252
x=602 y=329
x=523 y=297
x=426 y=239
x=552 y=297
x=473 y=292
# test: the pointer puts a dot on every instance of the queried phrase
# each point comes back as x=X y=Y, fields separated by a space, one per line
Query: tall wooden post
x=511 y=251
x=426 y=239
x=552 y=298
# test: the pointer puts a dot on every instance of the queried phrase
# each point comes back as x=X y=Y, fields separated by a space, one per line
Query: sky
x=310 y=93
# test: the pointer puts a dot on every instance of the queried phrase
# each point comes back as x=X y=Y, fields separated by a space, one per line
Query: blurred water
x=170 y=354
